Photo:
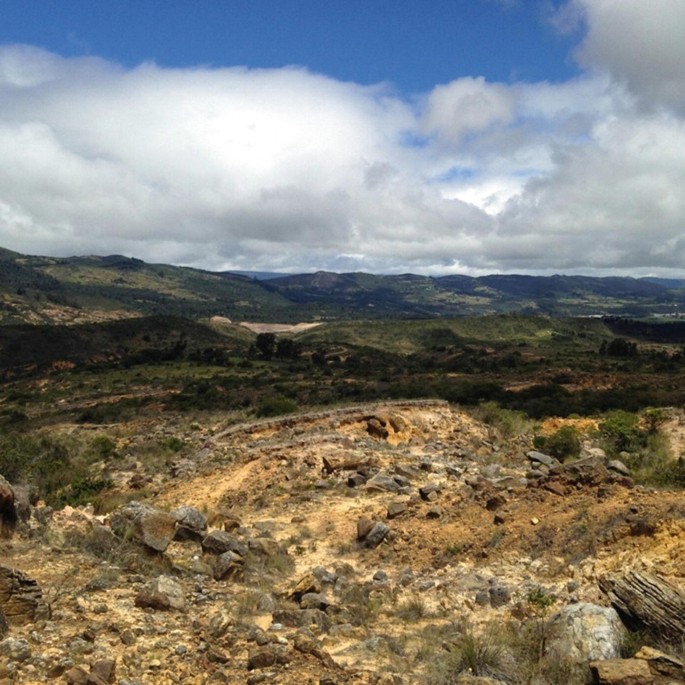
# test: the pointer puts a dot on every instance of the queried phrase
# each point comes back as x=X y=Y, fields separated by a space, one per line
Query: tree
x=266 y=344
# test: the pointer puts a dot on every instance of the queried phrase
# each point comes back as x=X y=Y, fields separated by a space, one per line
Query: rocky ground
x=393 y=543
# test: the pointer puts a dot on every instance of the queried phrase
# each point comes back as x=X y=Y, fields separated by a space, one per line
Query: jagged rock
x=621 y=672
x=8 y=513
x=265 y=547
x=376 y=428
x=4 y=626
x=307 y=645
x=220 y=622
x=301 y=618
x=376 y=535
x=396 y=508
x=307 y=584
x=435 y=512
x=647 y=599
x=21 y=599
x=364 y=526
x=382 y=482
x=191 y=524
x=314 y=600
x=261 y=658
x=147 y=599
x=584 y=632
x=219 y=541
x=499 y=595
x=661 y=663
x=15 y=649
x=105 y=669
x=540 y=458
x=172 y=590
x=618 y=467
x=229 y=565
x=356 y=480
x=152 y=527
x=332 y=463
x=430 y=491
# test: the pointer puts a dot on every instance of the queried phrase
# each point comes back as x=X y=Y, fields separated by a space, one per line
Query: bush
x=564 y=444
x=275 y=406
x=621 y=432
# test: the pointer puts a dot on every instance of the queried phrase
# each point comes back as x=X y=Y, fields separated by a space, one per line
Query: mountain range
x=35 y=289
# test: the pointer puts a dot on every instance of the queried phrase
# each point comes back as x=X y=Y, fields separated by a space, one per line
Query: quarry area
x=388 y=543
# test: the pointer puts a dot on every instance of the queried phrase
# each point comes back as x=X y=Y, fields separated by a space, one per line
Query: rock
x=8 y=512
x=495 y=502
x=146 y=599
x=219 y=541
x=584 y=632
x=220 y=622
x=303 y=618
x=396 y=508
x=15 y=649
x=261 y=658
x=314 y=600
x=382 y=482
x=356 y=480
x=104 y=669
x=435 y=512
x=618 y=467
x=307 y=645
x=21 y=599
x=364 y=526
x=621 y=672
x=172 y=590
x=306 y=585
x=229 y=565
x=191 y=524
x=647 y=599
x=499 y=595
x=662 y=663
x=4 y=626
x=540 y=458
x=430 y=489
x=148 y=525
x=376 y=534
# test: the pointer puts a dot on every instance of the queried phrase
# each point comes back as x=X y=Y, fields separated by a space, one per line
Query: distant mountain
x=100 y=288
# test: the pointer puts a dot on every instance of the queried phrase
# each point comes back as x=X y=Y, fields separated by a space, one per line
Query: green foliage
x=508 y=422
x=104 y=447
x=563 y=444
x=83 y=490
x=275 y=406
x=621 y=432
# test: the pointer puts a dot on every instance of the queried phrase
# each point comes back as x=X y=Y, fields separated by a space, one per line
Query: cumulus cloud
x=285 y=169
x=639 y=43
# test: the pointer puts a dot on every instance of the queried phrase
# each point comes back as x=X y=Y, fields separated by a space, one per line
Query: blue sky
x=413 y=44
x=436 y=137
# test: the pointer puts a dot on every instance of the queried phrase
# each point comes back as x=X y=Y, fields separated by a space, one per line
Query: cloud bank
x=289 y=170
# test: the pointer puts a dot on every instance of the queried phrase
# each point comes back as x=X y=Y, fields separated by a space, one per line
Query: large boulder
x=148 y=525
x=191 y=524
x=21 y=599
x=584 y=632
x=8 y=512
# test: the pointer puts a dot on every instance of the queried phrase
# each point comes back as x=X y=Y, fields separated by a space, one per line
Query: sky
x=387 y=136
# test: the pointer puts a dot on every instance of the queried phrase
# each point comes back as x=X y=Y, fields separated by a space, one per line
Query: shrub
x=564 y=443
x=620 y=432
x=275 y=406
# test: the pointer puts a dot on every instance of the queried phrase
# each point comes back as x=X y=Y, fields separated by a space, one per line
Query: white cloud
x=285 y=169
x=640 y=43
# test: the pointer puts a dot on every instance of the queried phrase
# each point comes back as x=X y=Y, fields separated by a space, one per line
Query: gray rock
x=585 y=632
x=148 y=525
x=167 y=586
x=382 y=482
x=228 y=565
x=376 y=534
x=541 y=458
x=499 y=596
x=396 y=508
x=429 y=491
x=618 y=467
x=15 y=649
x=191 y=524
x=219 y=541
